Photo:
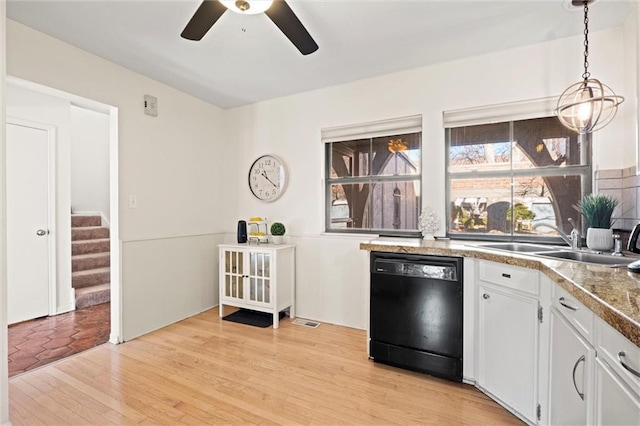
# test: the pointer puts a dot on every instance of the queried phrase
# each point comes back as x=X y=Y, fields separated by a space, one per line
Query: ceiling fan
x=277 y=10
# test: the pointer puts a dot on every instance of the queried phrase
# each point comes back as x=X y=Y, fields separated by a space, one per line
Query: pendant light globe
x=588 y=105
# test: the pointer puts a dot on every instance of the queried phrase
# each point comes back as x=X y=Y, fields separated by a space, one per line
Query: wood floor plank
x=207 y=371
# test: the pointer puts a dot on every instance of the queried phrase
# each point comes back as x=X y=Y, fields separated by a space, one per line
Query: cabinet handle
x=581 y=359
x=505 y=275
x=621 y=355
x=485 y=296
x=572 y=308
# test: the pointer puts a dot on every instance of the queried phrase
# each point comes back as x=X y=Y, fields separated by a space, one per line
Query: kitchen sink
x=582 y=256
x=519 y=247
x=559 y=253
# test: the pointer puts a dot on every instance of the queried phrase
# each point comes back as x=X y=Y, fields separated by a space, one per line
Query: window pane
x=396 y=205
x=396 y=155
x=484 y=205
x=349 y=206
x=483 y=147
x=544 y=142
x=480 y=205
x=350 y=158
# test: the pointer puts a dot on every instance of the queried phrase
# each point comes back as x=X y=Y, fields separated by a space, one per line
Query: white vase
x=600 y=239
x=427 y=236
x=277 y=239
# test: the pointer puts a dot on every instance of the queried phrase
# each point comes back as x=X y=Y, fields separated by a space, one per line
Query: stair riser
x=91 y=263
x=95 y=298
x=89 y=280
x=82 y=234
x=90 y=247
x=78 y=221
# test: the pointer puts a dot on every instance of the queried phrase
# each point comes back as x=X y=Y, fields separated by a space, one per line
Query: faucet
x=573 y=239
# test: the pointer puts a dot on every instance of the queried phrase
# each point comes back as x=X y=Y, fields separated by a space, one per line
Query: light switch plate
x=151 y=105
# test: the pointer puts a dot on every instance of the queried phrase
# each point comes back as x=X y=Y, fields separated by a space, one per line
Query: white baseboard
x=115 y=339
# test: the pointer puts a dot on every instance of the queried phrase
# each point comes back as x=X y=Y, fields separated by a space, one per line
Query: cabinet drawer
x=522 y=279
x=620 y=354
x=575 y=312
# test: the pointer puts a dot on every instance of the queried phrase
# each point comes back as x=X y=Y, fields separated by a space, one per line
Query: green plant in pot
x=277 y=232
x=597 y=210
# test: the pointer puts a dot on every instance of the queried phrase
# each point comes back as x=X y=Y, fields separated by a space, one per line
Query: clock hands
x=267 y=178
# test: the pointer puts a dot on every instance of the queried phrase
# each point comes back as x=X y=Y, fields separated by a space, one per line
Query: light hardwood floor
x=203 y=371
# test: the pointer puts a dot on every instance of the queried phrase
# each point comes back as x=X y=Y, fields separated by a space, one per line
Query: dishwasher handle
x=435 y=270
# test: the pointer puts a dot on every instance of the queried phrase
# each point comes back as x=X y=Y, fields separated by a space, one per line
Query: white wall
x=32 y=106
x=89 y=161
x=174 y=163
x=330 y=268
x=4 y=372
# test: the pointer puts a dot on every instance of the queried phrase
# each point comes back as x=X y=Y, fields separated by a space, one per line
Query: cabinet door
x=616 y=404
x=259 y=279
x=233 y=275
x=507 y=349
x=571 y=389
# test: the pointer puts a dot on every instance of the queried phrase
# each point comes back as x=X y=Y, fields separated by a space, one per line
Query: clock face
x=267 y=178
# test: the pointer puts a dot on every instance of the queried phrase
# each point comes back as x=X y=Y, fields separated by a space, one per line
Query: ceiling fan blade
x=204 y=18
x=284 y=18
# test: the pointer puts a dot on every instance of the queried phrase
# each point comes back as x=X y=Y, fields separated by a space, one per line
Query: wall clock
x=267 y=178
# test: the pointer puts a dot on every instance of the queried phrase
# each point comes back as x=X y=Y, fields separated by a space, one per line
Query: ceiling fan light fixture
x=247 y=7
x=587 y=105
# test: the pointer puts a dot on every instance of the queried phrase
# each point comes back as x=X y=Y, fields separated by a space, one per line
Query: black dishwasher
x=416 y=313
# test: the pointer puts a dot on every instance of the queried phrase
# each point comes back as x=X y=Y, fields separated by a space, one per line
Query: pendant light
x=588 y=105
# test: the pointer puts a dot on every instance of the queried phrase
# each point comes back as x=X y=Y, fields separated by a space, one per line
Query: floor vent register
x=306 y=323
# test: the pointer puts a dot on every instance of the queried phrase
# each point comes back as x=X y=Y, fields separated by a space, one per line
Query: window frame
x=370 y=131
x=585 y=171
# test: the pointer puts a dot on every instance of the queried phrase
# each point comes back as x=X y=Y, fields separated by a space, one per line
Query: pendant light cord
x=586 y=73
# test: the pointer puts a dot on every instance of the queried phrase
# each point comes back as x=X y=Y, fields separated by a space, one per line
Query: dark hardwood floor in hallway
x=41 y=341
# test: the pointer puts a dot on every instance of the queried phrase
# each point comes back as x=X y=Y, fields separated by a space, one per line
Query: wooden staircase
x=90 y=260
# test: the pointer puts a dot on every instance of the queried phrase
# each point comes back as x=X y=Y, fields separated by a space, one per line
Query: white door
x=27 y=222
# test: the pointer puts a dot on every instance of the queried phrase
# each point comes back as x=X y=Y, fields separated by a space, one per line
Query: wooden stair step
x=89 y=233
x=78 y=220
x=94 y=295
x=82 y=262
x=90 y=277
x=90 y=246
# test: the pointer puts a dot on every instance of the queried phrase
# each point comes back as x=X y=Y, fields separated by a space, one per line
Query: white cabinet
x=260 y=278
x=508 y=336
x=616 y=404
x=571 y=371
x=617 y=378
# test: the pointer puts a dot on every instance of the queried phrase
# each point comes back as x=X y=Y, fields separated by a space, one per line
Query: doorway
x=61 y=300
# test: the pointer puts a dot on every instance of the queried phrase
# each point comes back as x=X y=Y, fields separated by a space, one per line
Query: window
x=515 y=179
x=373 y=177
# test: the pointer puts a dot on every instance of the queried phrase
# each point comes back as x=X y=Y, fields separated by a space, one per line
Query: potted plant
x=277 y=232
x=597 y=210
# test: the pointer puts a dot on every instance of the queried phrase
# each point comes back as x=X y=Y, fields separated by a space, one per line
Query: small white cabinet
x=571 y=370
x=258 y=277
x=508 y=336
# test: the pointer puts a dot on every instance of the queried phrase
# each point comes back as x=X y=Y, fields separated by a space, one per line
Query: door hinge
x=538 y=412
x=540 y=314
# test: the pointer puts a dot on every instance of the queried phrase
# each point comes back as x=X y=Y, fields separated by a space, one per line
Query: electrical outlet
x=133 y=201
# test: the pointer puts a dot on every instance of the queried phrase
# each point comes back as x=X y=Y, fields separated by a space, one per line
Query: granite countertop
x=611 y=293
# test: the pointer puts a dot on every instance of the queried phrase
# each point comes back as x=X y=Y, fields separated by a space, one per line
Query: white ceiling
x=230 y=66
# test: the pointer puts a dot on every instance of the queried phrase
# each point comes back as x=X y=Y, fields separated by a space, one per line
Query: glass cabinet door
x=233 y=274
x=260 y=278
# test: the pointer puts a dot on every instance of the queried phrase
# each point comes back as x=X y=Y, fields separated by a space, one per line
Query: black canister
x=242 y=231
